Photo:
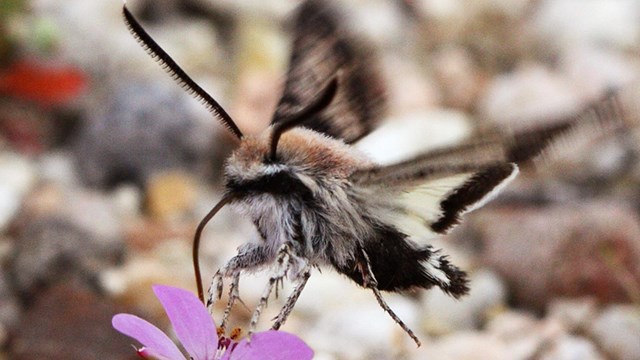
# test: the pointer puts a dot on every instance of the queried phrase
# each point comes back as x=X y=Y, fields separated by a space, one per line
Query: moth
x=317 y=201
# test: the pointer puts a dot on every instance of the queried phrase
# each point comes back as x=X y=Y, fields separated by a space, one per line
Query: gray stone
x=75 y=237
x=17 y=177
x=564 y=23
x=575 y=314
x=617 y=331
x=137 y=129
x=70 y=322
x=573 y=250
x=444 y=314
x=569 y=347
x=532 y=92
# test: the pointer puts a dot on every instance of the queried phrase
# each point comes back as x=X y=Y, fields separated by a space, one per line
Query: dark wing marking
x=431 y=198
x=480 y=188
x=323 y=48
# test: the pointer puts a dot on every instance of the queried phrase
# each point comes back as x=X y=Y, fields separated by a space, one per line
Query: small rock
x=617 y=331
x=465 y=346
x=444 y=314
x=170 y=195
x=511 y=324
x=575 y=314
x=58 y=167
x=524 y=336
x=380 y=22
x=127 y=136
x=410 y=90
x=70 y=322
x=589 y=249
x=10 y=311
x=168 y=263
x=596 y=70
x=569 y=347
x=459 y=78
x=530 y=93
x=366 y=324
x=561 y=24
x=73 y=235
x=17 y=177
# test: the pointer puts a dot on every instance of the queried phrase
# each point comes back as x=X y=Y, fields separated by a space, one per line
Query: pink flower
x=197 y=332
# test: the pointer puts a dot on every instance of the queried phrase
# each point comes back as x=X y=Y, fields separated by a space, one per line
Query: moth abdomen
x=398 y=264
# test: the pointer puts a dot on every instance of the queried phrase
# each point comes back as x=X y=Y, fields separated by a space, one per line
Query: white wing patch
x=429 y=203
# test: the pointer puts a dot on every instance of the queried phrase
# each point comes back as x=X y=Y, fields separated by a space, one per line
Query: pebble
x=586 y=249
x=564 y=23
x=366 y=324
x=617 y=330
x=465 y=346
x=569 y=347
x=168 y=263
x=77 y=228
x=170 y=195
x=575 y=314
x=127 y=137
x=444 y=314
x=10 y=311
x=410 y=90
x=532 y=92
x=595 y=70
x=459 y=77
x=17 y=177
x=70 y=322
x=58 y=167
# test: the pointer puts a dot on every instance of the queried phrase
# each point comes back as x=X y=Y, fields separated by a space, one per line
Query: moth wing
x=428 y=199
x=436 y=188
x=323 y=48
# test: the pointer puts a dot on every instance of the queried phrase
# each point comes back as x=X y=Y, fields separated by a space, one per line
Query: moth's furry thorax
x=303 y=155
x=302 y=195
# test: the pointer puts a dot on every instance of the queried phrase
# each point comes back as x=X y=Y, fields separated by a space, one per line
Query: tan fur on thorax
x=299 y=148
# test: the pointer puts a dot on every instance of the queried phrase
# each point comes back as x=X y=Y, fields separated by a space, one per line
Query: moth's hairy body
x=308 y=201
x=313 y=205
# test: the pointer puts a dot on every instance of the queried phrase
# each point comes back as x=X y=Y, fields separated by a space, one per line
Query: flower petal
x=191 y=321
x=155 y=342
x=272 y=345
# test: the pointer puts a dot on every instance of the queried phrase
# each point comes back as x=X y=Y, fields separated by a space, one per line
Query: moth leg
x=282 y=265
x=303 y=277
x=369 y=281
x=234 y=295
x=250 y=256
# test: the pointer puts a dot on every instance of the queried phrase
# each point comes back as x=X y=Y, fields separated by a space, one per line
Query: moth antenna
x=321 y=102
x=168 y=64
x=196 y=242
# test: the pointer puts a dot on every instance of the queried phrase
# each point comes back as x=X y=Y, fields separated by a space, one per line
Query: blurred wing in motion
x=323 y=48
x=436 y=188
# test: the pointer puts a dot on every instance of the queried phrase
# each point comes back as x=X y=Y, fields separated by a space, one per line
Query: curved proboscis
x=196 y=242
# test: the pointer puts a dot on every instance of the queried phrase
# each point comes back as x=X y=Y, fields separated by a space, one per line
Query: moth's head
x=287 y=159
x=305 y=160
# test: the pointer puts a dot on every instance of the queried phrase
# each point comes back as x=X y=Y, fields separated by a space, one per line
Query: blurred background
x=106 y=167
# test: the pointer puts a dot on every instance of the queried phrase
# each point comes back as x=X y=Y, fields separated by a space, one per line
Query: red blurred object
x=42 y=83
